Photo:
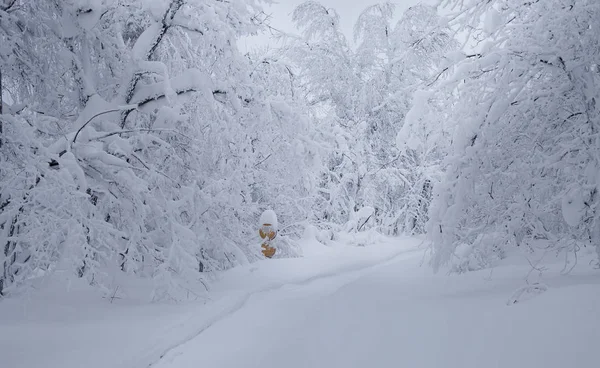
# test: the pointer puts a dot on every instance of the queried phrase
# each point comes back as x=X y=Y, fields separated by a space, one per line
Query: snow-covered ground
x=342 y=306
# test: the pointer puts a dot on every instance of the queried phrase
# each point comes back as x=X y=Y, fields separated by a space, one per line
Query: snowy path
x=62 y=323
x=344 y=307
x=270 y=283
x=399 y=314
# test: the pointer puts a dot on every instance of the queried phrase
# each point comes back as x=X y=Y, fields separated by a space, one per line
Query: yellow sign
x=267 y=251
x=267 y=233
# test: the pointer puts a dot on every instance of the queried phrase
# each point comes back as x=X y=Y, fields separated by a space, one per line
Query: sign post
x=268 y=232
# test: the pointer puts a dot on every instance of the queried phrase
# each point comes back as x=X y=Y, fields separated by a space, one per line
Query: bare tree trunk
x=422 y=211
x=7 y=277
x=1 y=102
x=4 y=266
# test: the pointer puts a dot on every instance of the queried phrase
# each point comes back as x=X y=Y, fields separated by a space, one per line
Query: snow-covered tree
x=523 y=171
x=364 y=94
x=137 y=138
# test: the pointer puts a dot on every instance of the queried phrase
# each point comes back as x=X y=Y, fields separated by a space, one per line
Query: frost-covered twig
x=150 y=169
x=9 y=5
x=363 y=224
x=138 y=131
x=90 y=119
x=263 y=160
x=534 y=268
x=567 y=261
x=165 y=24
x=158 y=97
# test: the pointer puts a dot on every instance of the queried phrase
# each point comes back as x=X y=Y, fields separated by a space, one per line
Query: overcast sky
x=347 y=9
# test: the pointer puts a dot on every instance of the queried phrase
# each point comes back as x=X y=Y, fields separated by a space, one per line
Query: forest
x=137 y=138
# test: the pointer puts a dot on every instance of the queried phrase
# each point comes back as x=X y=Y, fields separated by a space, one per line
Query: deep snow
x=340 y=306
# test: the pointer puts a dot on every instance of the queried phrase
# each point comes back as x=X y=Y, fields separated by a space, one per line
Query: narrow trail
x=346 y=275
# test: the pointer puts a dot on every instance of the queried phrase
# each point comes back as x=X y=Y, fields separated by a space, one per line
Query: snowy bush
x=138 y=139
x=523 y=168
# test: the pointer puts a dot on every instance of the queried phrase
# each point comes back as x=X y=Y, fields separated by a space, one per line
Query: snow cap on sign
x=269 y=217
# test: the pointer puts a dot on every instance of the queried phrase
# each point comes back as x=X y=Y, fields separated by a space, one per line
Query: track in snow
x=351 y=272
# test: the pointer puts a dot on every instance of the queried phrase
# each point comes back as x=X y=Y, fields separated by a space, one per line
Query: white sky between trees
x=281 y=17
